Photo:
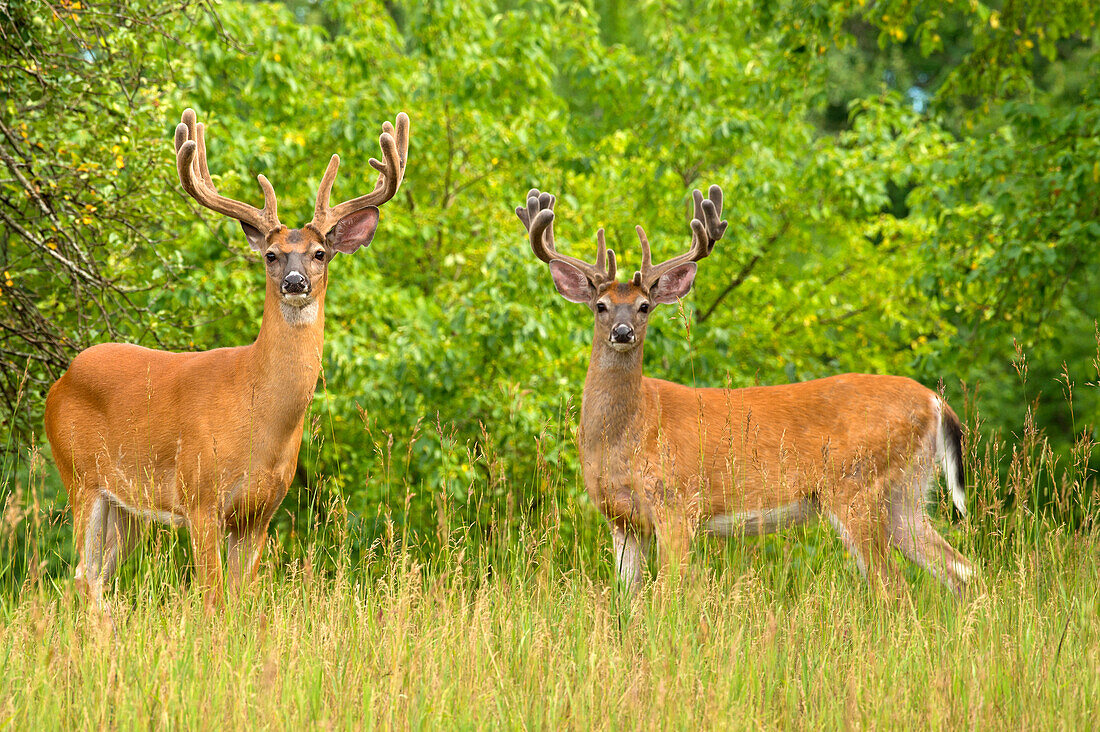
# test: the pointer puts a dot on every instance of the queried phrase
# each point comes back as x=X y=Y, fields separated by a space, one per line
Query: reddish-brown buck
x=666 y=460
x=209 y=440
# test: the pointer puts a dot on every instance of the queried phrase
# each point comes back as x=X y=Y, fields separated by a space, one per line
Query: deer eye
x=271 y=256
x=320 y=255
x=601 y=308
x=644 y=307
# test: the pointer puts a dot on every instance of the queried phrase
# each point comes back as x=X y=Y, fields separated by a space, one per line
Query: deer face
x=297 y=259
x=622 y=314
x=621 y=308
x=297 y=265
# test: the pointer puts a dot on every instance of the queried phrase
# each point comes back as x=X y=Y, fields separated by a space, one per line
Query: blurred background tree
x=911 y=189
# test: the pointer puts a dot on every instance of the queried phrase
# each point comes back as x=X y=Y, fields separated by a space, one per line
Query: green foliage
x=879 y=239
x=88 y=220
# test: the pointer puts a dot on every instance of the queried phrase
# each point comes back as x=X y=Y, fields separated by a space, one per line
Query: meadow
x=523 y=627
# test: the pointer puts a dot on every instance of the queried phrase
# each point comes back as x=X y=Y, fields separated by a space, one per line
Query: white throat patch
x=295 y=316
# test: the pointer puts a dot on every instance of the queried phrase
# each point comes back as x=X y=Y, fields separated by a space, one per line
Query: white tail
x=949 y=453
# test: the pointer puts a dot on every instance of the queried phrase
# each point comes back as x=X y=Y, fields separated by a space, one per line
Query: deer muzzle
x=622 y=335
x=295 y=284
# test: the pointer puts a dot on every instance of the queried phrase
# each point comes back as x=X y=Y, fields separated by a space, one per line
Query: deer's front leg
x=629 y=514
x=206 y=537
x=674 y=523
x=629 y=548
x=674 y=535
x=246 y=545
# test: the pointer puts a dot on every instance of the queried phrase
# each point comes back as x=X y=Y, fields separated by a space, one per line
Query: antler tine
x=605 y=258
x=709 y=211
x=706 y=228
x=647 y=254
x=325 y=189
x=523 y=214
x=394 y=142
x=401 y=135
x=541 y=234
x=190 y=144
x=539 y=228
x=538 y=218
x=182 y=130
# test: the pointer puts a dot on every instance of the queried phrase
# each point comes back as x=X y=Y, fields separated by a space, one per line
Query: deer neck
x=285 y=359
x=613 y=404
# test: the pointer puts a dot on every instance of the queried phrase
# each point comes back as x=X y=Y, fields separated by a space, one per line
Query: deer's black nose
x=622 y=333
x=294 y=283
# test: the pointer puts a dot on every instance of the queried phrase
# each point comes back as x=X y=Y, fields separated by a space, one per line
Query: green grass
x=755 y=636
x=515 y=622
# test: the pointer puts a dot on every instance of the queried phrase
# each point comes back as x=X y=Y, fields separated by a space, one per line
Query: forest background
x=911 y=189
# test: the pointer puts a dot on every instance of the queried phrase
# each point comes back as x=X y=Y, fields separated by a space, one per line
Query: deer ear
x=571 y=282
x=354 y=230
x=674 y=284
x=256 y=240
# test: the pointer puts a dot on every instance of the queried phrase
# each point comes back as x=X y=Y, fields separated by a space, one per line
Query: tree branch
x=745 y=271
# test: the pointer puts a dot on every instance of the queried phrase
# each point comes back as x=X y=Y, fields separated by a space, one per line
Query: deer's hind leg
x=105 y=535
x=911 y=531
x=859 y=516
x=920 y=542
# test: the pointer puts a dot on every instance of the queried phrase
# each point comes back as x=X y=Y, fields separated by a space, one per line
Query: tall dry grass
x=520 y=625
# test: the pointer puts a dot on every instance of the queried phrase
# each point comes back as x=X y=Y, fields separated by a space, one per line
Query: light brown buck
x=665 y=459
x=209 y=440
